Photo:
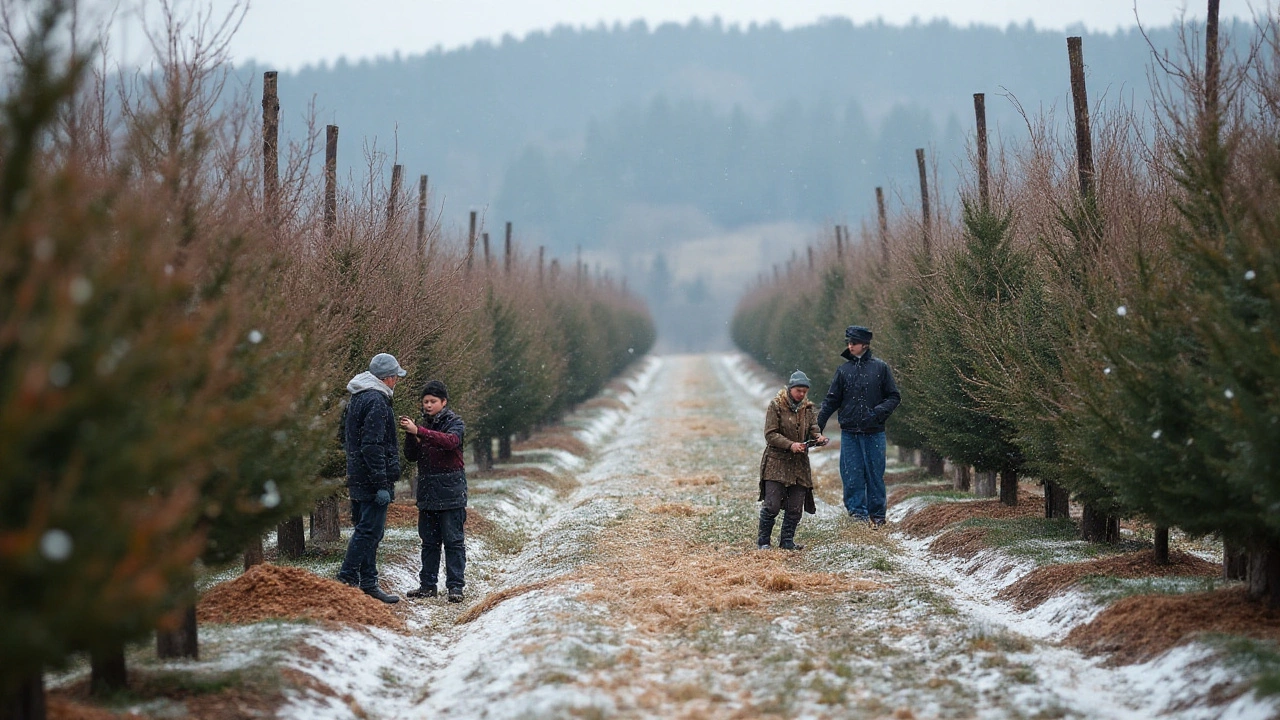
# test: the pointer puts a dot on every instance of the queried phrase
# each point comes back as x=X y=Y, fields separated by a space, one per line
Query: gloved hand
x=382 y=498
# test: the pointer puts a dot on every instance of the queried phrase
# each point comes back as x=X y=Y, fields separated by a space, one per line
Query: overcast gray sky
x=288 y=34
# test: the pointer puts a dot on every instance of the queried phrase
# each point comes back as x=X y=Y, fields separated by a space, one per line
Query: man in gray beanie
x=373 y=466
x=786 y=481
x=864 y=393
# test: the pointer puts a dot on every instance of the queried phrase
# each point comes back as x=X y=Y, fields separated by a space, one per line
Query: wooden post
x=884 y=227
x=809 y=249
x=980 y=115
x=471 y=242
x=487 y=260
x=839 y=243
x=1212 y=63
x=542 y=252
x=397 y=179
x=1080 y=99
x=270 y=147
x=775 y=272
x=330 y=180
x=924 y=203
x=422 y=213
x=555 y=271
x=506 y=260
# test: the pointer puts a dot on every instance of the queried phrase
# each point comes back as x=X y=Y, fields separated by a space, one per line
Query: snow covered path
x=640 y=595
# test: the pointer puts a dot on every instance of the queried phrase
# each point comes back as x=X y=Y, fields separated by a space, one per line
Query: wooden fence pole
x=506 y=260
x=397 y=180
x=924 y=204
x=270 y=147
x=330 y=180
x=471 y=242
x=884 y=228
x=422 y=213
x=980 y=116
x=1080 y=99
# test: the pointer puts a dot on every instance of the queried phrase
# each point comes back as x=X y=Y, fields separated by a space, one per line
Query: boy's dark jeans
x=442 y=528
x=360 y=566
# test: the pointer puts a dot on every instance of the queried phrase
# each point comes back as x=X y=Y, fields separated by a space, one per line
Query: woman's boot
x=786 y=540
x=764 y=536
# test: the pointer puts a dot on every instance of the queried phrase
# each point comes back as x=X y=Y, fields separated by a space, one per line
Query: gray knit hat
x=385 y=365
x=798 y=379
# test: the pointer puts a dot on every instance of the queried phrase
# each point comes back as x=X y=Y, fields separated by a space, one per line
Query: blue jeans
x=862 y=474
x=442 y=528
x=360 y=566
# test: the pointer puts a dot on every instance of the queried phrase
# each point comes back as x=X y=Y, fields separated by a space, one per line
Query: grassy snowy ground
x=632 y=589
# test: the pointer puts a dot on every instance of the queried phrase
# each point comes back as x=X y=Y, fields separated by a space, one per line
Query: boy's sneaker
x=422 y=592
x=455 y=594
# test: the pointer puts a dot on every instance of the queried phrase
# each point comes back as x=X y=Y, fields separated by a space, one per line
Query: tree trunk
x=961 y=477
x=26 y=701
x=253 y=553
x=504 y=447
x=933 y=462
x=291 y=538
x=1057 y=501
x=1009 y=488
x=325 y=522
x=1097 y=526
x=1264 y=573
x=906 y=455
x=107 y=672
x=1162 y=545
x=413 y=485
x=984 y=484
x=184 y=640
x=484 y=453
x=1235 y=561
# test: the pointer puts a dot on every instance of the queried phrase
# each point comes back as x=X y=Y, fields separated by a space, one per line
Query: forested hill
x=628 y=140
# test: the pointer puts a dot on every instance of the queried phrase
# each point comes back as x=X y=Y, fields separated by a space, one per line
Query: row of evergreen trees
x=1111 y=332
x=174 y=350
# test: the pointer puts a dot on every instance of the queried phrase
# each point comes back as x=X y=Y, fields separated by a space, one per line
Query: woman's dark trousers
x=778 y=496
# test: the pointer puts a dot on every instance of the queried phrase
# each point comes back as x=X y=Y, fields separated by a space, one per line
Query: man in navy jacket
x=373 y=466
x=865 y=395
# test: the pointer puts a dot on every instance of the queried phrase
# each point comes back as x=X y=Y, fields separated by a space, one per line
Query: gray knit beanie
x=798 y=379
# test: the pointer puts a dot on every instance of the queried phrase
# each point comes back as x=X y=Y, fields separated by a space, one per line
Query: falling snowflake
x=271 y=494
x=1122 y=311
x=1156 y=435
x=1106 y=371
x=1228 y=393
x=81 y=290
x=1250 y=275
x=55 y=545
x=255 y=336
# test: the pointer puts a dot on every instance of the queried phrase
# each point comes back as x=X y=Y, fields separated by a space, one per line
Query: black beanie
x=857 y=334
x=435 y=388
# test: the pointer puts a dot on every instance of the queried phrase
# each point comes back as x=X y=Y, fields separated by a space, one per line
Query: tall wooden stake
x=980 y=116
x=1080 y=99
x=884 y=228
x=506 y=259
x=542 y=254
x=924 y=203
x=839 y=243
x=1212 y=63
x=471 y=242
x=397 y=180
x=330 y=180
x=810 y=251
x=422 y=213
x=270 y=147
x=487 y=260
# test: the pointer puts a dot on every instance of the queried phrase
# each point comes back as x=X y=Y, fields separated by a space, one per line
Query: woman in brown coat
x=790 y=425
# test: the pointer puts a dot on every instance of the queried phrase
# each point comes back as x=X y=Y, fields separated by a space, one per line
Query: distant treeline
x=557 y=130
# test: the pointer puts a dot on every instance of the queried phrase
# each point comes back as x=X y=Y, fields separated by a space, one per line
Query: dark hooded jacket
x=864 y=392
x=369 y=437
x=442 y=481
x=783 y=426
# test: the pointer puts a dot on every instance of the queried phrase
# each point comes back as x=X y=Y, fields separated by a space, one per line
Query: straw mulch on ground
x=929 y=520
x=61 y=708
x=668 y=585
x=965 y=542
x=265 y=592
x=402 y=515
x=1139 y=628
x=533 y=474
x=1043 y=583
x=699 y=480
x=680 y=509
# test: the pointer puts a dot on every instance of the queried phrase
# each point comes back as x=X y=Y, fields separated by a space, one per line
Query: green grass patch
x=1258 y=659
x=728 y=523
x=1044 y=541
x=1107 y=589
